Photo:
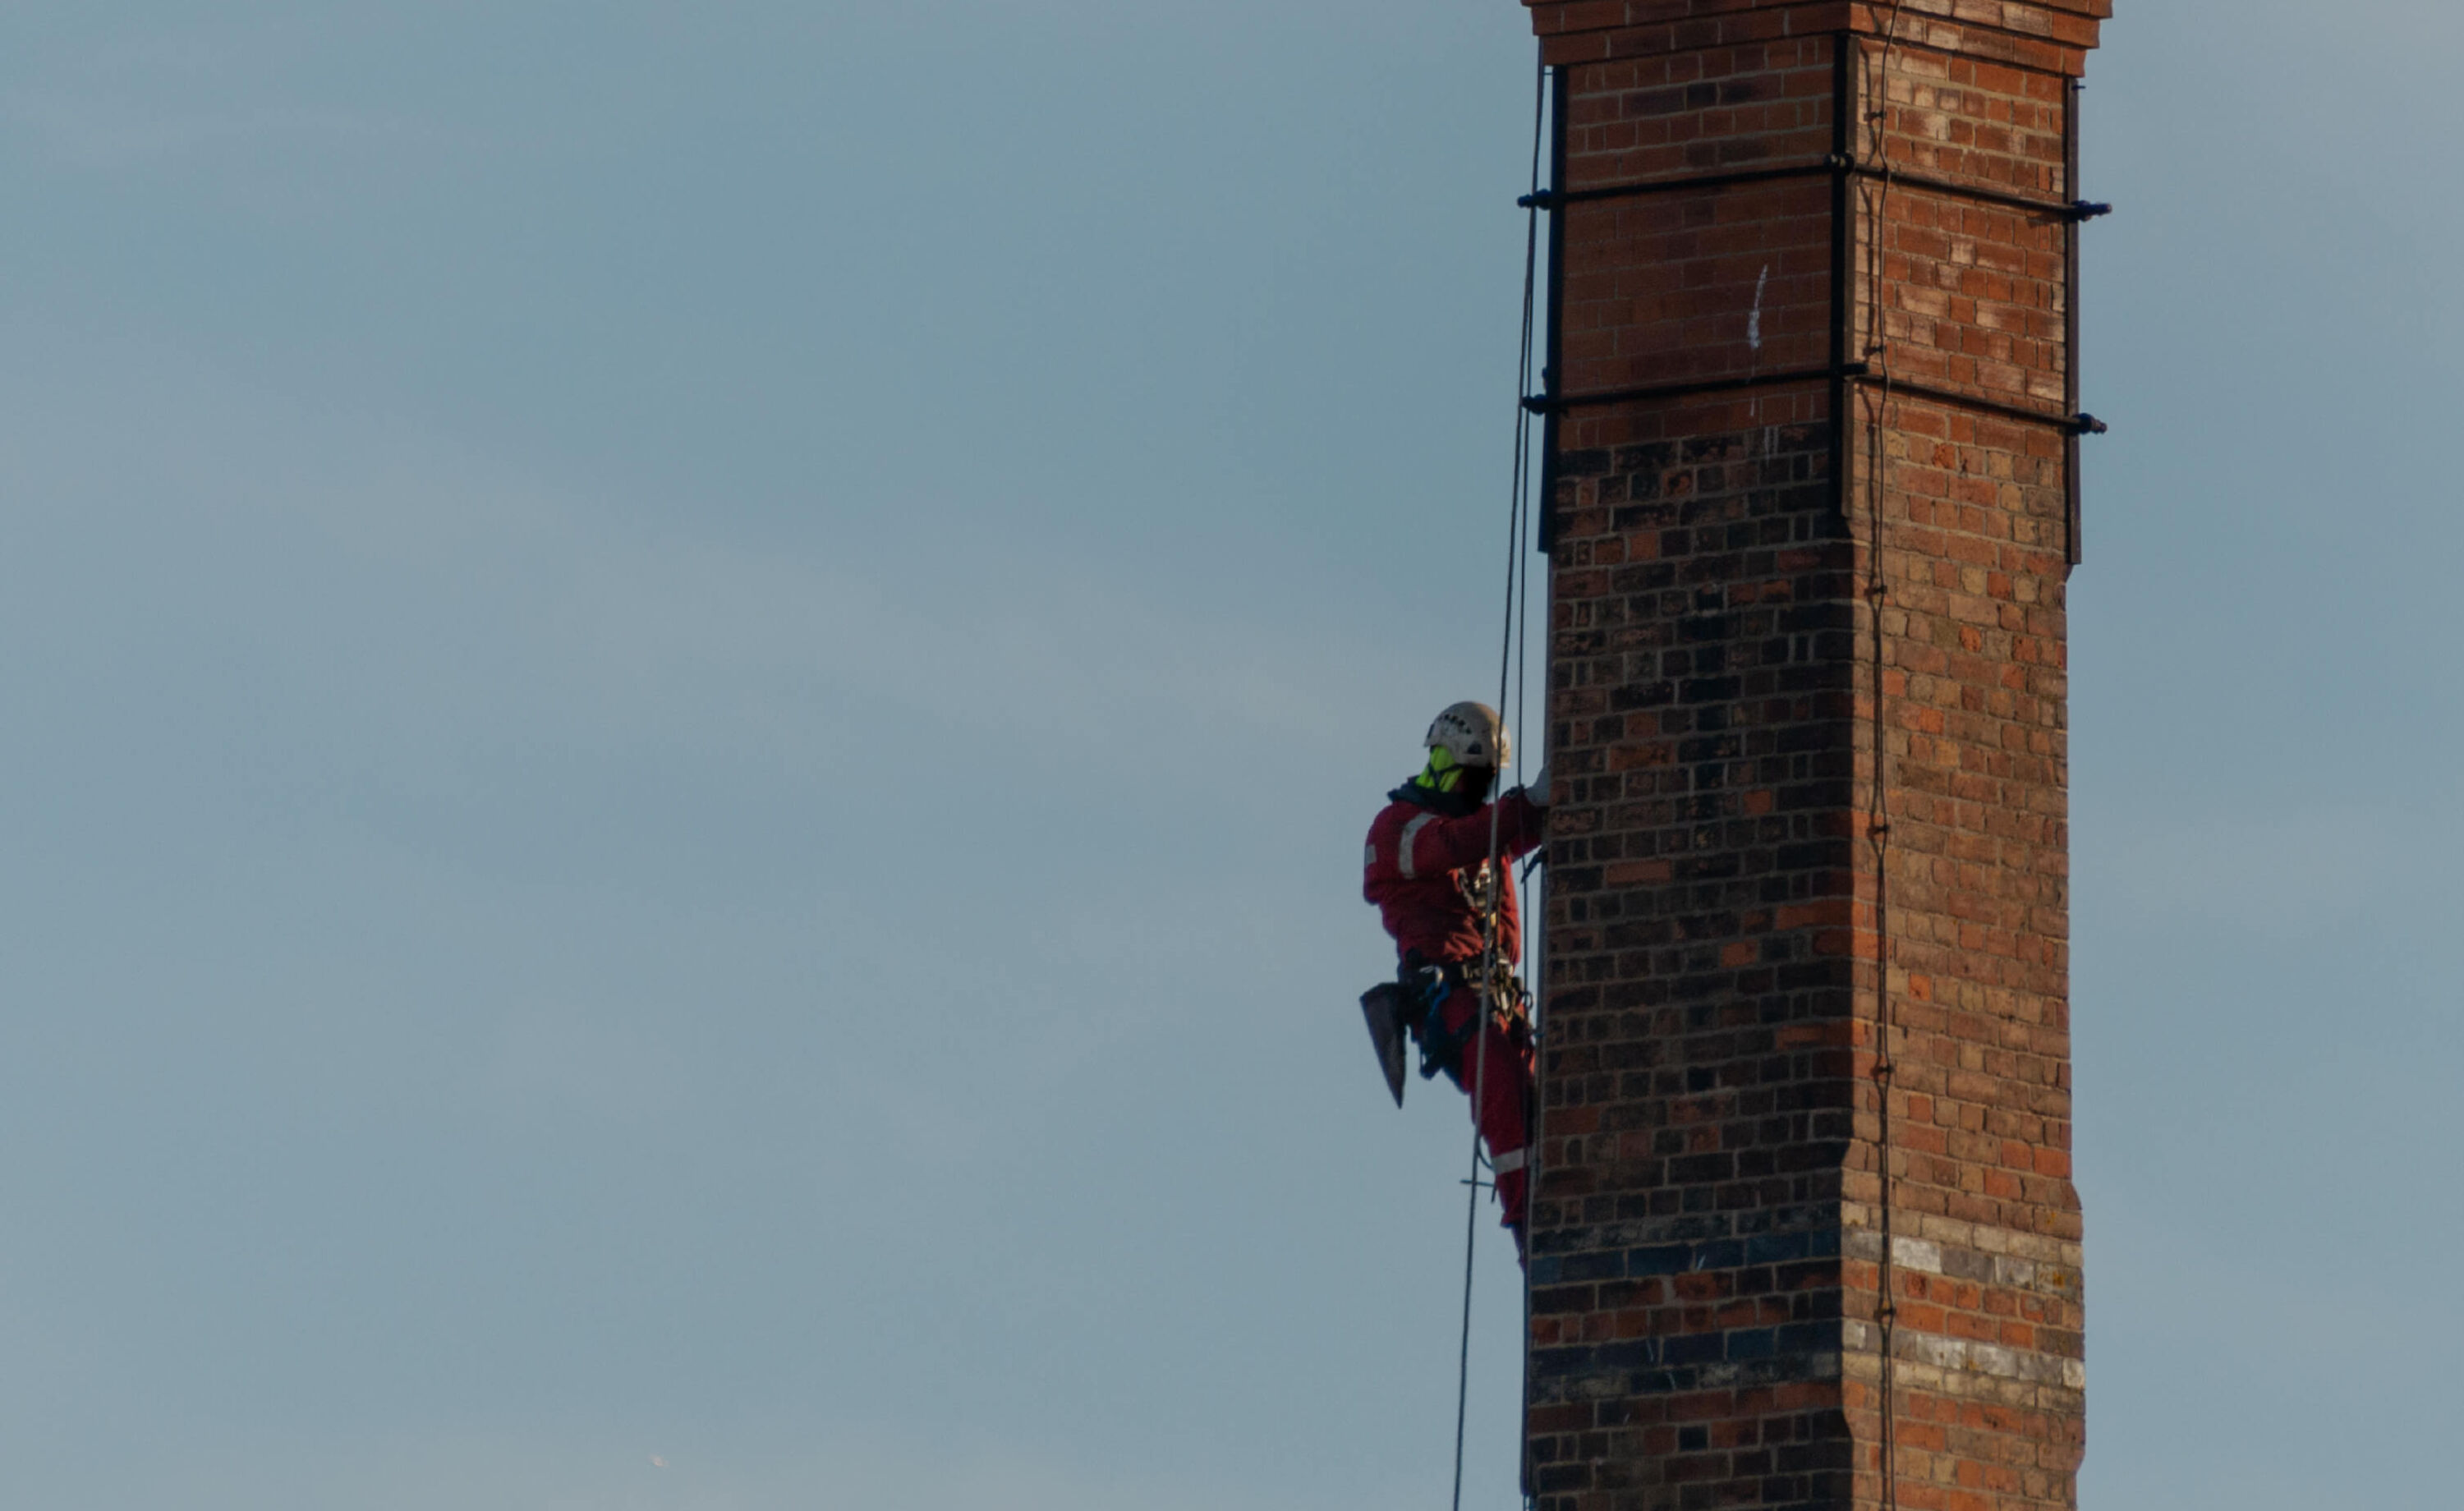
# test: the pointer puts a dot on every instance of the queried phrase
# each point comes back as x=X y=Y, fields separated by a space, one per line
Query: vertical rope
x=1522 y=626
x=1517 y=579
x=1877 y=811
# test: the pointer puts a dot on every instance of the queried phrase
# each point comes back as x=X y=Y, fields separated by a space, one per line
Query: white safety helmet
x=1472 y=734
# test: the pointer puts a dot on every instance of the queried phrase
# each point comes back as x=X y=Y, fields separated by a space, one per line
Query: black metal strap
x=1834 y=162
x=1551 y=199
x=2074 y=210
x=2079 y=424
x=1559 y=404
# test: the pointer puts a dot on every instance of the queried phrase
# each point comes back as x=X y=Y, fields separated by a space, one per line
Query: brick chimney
x=1806 y=1235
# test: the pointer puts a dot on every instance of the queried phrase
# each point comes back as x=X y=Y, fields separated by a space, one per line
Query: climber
x=1428 y=873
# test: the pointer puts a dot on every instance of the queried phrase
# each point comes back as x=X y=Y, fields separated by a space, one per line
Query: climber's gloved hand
x=1536 y=791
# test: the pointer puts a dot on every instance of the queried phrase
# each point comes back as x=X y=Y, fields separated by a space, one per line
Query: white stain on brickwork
x=1974 y=1254
x=1968 y=1356
x=1754 y=321
x=1915 y=1254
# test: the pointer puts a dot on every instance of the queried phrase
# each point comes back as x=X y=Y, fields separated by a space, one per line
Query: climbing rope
x=1878 y=809
x=1518 y=601
x=1511 y=678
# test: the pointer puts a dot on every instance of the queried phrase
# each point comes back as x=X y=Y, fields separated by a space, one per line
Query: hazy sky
x=687 y=696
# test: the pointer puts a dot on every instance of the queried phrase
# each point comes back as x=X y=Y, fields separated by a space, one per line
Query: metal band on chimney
x=2077 y=424
x=1843 y=163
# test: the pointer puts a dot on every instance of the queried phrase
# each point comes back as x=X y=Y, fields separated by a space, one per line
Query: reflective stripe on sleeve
x=1403 y=855
x=1508 y=1163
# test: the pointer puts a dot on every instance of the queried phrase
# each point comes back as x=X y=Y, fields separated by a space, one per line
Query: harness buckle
x=1426 y=985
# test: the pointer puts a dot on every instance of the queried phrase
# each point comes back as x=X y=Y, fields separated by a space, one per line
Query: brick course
x=1708 y=1244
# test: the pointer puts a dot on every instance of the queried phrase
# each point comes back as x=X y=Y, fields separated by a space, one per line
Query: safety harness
x=1425 y=984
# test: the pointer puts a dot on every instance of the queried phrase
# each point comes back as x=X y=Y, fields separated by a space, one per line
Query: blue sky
x=690 y=693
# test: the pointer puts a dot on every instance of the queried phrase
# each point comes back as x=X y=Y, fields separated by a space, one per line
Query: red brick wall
x=1726 y=1158
x=1687 y=1273
x=1687 y=286
x=1974 y=291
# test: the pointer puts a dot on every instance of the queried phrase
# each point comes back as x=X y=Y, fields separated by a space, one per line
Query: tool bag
x=1411 y=1005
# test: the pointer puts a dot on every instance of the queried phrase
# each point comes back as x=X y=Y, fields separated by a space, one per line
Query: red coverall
x=1419 y=865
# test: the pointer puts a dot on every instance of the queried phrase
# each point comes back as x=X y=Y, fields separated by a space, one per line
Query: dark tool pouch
x=1388 y=1011
x=1427 y=984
